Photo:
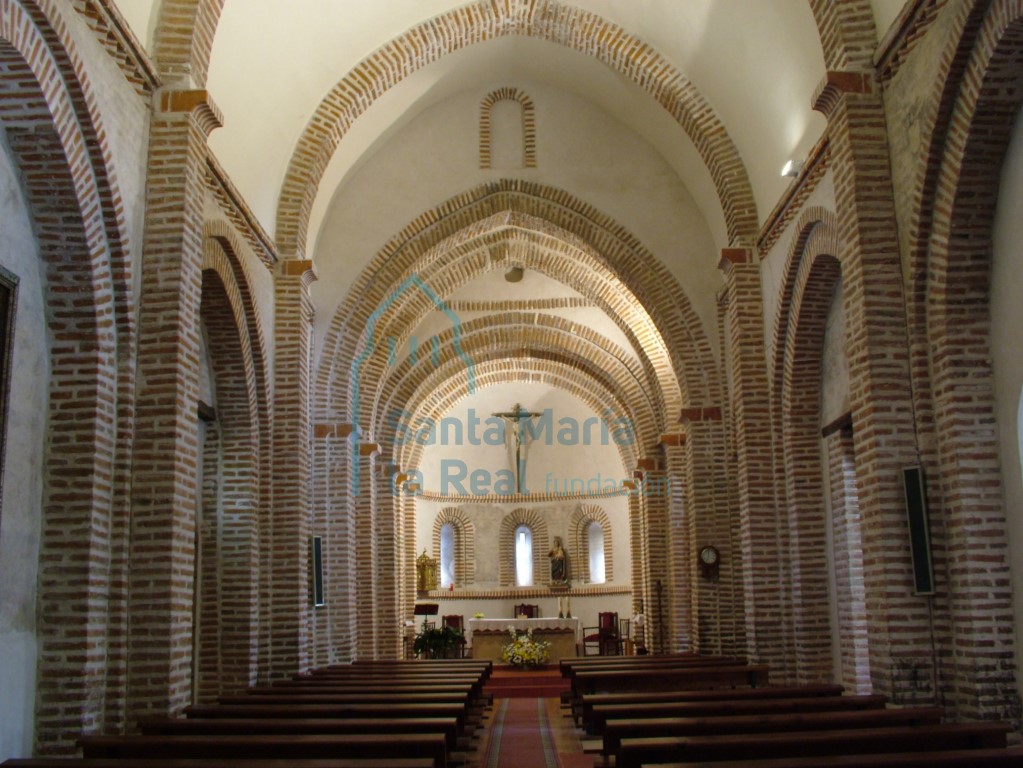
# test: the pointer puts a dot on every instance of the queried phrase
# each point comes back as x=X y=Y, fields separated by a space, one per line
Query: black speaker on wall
x=317 y=552
x=919 y=530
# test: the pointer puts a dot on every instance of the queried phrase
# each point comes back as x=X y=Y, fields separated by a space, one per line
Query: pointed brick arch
x=58 y=143
x=184 y=39
x=454 y=243
x=968 y=486
x=482 y=21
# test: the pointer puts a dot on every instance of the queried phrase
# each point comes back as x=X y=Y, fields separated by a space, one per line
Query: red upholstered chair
x=529 y=611
x=457 y=623
x=605 y=638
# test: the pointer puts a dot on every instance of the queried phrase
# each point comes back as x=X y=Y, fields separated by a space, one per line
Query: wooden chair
x=457 y=623
x=529 y=611
x=605 y=638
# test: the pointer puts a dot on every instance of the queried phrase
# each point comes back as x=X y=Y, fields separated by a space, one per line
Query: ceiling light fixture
x=792 y=168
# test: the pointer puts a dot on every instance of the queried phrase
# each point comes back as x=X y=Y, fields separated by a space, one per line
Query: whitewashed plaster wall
x=1007 y=355
x=21 y=511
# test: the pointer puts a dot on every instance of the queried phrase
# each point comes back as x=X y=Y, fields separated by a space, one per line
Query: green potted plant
x=437 y=643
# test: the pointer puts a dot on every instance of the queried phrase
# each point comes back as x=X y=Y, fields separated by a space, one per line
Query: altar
x=486 y=637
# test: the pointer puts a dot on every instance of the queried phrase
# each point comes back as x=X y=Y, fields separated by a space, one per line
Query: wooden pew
x=584 y=707
x=295 y=725
x=308 y=747
x=340 y=684
x=483 y=666
x=600 y=713
x=456 y=710
x=673 y=678
x=633 y=753
x=959 y=758
x=368 y=697
x=104 y=762
x=617 y=730
x=638 y=662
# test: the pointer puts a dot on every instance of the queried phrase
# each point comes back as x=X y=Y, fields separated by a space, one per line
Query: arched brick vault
x=960 y=385
x=440 y=391
x=580 y=246
x=59 y=145
x=515 y=335
x=487 y=20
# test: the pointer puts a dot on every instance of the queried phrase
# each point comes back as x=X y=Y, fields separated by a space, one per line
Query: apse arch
x=590 y=249
x=477 y=23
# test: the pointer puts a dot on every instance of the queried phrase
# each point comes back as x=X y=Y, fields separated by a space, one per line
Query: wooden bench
x=730 y=707
x=105 y=762
x=583 y=707
x=617 y=730
x=957 y=758
x=632 y=753
x=306 y=747
x=474 y=685
x=566 y=666
x=674 y=678
x=293 y=725
x=456 y=710
x=368 y=697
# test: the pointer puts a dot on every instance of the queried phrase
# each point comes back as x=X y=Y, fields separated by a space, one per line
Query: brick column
x=637 y=546
x=683 y=626
x=166 y=439
x=767 y=576
x=333 y=502
x=389 y=535
x=292 y=432
x=716 y=603
x=655 y=502
x=366 y=552
x=902 y=656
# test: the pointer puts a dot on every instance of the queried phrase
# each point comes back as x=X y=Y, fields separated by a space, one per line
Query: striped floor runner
x=522 y=736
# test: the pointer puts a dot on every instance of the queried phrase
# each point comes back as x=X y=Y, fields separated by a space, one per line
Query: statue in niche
x=559 y=563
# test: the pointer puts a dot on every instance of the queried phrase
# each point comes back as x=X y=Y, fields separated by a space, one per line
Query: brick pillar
x=389 y=535
x=902 y=655
x=683 y=627
x=637 y=546
x=655 y=503
x=291 y=525
x=333 y=502
x=711 y=522
x=366 y=550
x=767 y=575
x=166 y=454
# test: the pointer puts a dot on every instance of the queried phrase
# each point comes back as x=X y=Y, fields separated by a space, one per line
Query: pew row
x=960 y=758
x=113 y=762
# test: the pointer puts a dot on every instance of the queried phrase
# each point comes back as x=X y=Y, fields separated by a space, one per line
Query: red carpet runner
x=520 y=736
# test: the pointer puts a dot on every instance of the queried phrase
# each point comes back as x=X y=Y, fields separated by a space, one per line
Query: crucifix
x=516 y=415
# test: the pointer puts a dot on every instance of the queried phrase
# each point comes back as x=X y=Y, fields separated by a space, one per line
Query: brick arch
x=521 y=335
x=58 y=143
x=528 y=124
x=817 y=233
x=541 y=545
x=184 y=39
x=231 y=663
x=580 y=543
x=960 y=393
x=582 y=247
x=465 y=543
x=479 y=22
x=806 y=531
x=444 y=396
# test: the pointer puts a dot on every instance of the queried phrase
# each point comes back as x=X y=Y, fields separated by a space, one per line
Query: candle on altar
x=560 y=612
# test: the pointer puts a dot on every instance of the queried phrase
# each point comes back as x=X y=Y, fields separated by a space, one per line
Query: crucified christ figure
x=515 y=417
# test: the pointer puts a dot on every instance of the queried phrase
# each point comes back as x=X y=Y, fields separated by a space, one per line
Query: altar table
x=487 y=637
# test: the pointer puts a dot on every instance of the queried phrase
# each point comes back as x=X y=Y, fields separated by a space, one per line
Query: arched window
x=523 y=556
x=447 y=555
x=595 y=533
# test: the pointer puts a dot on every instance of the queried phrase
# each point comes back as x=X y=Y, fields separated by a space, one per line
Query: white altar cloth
x=521 y=625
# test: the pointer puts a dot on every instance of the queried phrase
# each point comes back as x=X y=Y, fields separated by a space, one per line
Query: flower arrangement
x=477 y=616
x=524 y=651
